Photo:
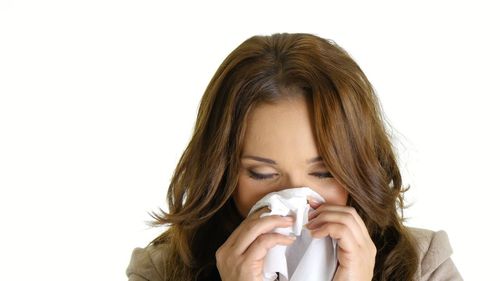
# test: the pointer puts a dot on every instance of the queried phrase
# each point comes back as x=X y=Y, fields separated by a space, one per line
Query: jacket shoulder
x=146 y=264
x=434 y=254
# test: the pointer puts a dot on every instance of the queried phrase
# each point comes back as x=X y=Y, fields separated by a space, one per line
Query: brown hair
x=350 y=135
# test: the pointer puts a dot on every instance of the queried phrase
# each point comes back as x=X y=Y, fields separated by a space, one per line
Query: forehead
x=280 y=128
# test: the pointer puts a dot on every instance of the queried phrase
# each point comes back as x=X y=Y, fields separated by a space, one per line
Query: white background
x=98 y=100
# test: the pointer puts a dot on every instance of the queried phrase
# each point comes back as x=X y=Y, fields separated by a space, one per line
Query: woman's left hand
x=355 y=249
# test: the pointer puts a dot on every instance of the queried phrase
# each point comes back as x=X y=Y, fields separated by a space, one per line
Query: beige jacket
x=434 y=251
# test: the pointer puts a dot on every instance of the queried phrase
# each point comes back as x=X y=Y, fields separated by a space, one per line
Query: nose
x=293 y=181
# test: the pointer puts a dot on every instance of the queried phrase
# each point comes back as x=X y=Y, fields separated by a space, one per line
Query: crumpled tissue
x=312 y=259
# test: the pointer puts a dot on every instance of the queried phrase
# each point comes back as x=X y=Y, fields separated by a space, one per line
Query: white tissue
x=313 y=259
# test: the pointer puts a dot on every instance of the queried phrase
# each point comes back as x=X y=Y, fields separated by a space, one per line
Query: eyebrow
x=271 y=161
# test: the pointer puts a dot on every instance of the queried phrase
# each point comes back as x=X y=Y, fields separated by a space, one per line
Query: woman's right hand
x=241 y=257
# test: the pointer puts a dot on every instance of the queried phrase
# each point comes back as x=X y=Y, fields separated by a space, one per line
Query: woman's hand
x=241 y=257
x=356 y=250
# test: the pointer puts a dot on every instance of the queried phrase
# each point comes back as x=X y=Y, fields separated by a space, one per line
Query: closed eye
x=258 y=176
x=323 y=175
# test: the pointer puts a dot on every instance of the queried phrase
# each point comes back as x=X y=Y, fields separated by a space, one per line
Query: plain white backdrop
x=98 y=100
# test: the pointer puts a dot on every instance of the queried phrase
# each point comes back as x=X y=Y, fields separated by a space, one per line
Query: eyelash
x=258 y=176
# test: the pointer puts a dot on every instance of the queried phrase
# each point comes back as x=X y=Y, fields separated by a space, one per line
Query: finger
x=342 y=233
x=236 y=233
x=313 y=202
x=327 y=216
x=257 y=213
x=254 y=228
x=346 y=209
x=264 y=242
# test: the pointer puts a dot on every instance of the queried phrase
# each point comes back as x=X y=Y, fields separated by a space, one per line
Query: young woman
x=284 y=111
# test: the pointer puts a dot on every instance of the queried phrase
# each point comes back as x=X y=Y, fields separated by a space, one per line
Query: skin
x=283 y=132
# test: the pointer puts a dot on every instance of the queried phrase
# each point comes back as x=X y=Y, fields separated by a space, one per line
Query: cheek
x=246 y=195
x=335 y=195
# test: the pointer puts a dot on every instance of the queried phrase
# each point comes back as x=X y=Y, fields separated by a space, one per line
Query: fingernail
x=288 y=218
x=313 y=202
x=309 y=225
x=292 y=237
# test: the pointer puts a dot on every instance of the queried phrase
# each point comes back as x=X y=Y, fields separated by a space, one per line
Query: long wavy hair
x=351 y=137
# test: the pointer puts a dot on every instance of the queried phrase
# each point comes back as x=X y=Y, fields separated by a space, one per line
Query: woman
x=284 y=111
